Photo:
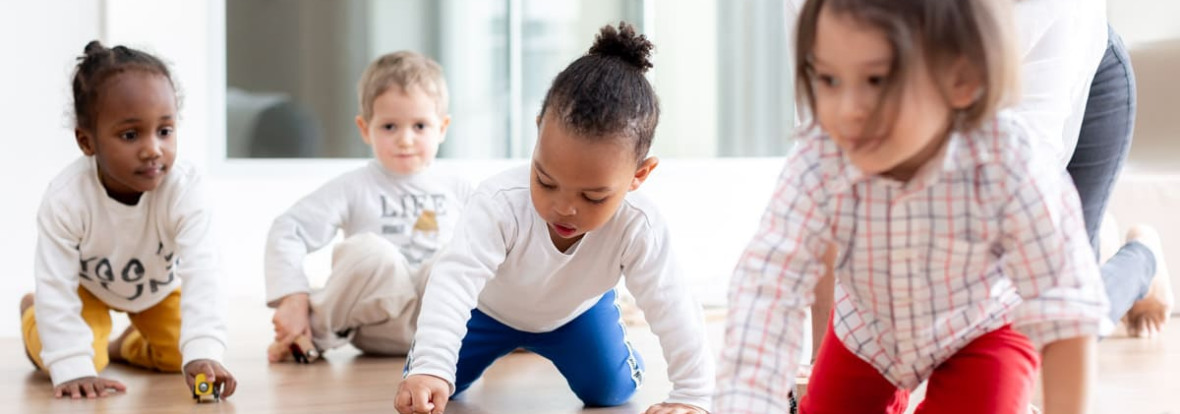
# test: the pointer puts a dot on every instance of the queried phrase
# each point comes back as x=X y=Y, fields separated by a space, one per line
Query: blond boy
x=395 y=213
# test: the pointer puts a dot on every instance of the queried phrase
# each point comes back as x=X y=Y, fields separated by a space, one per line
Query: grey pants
x=1103 y=144
x=371 y=299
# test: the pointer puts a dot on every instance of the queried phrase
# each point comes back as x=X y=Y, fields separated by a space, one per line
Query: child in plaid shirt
x=961 y=250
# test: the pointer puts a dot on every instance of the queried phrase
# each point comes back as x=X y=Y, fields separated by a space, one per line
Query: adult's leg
x=1106 y=132
x=1103 y=144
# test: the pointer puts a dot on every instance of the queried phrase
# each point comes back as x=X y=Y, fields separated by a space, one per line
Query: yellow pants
x=153 y=343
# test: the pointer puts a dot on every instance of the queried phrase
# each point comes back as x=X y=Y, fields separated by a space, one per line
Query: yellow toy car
x=205 y=391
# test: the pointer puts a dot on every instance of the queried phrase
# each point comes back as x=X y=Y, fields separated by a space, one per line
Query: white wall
x=1144 y=21
x=712 y=206
x=34 y=108
x=685 y=75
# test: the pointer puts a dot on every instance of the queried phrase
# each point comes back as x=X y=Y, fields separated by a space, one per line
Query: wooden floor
x=1136 y=376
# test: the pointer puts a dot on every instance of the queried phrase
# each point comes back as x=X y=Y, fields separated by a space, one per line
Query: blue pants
x=1103 y=143
x=590 y=351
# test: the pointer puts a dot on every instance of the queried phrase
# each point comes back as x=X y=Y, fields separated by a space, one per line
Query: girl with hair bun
x=537 y=255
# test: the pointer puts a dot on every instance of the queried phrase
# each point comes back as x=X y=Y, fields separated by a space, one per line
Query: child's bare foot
x=278 y=352
x=115 y=348
x=1148 y=316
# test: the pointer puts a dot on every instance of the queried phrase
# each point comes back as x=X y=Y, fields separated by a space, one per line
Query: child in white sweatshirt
x=395 y=214
x=539 y=251
x=125 y=228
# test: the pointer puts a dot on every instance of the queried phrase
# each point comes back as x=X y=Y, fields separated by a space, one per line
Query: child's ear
x=964 y=84
x=85 y=141
x=364 y=127
x=442 y=131
x=643 y=172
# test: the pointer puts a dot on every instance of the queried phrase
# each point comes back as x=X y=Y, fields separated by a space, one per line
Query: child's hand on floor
x=422 y=394
x=292 y=318
x=89 y=387
x=674 y=408
x=214 y=372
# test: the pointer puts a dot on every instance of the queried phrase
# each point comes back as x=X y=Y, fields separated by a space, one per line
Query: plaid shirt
x=987 y=234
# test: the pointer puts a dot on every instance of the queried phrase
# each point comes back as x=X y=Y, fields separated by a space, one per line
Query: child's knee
x=169 y=365
x=607 y=393
x=368 y=254
x=609 y=388
x=166 y=357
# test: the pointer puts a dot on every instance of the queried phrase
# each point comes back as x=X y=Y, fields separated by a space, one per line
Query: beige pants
x=371 y=298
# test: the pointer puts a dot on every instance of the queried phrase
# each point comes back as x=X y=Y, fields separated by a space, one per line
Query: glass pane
x=292 y=69
x=756 y=82
x=473 y=41
x=722 y=75
x=554 y=34
x=721 y=71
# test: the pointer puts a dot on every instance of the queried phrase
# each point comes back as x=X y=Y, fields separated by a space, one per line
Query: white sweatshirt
x=369 y=199
x=130 y=257
x=502 y=254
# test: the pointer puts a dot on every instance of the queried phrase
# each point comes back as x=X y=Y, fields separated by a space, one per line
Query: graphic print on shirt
x=101 y=270
x=415 y=217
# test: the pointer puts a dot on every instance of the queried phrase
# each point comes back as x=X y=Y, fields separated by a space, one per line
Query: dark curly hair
x=604 y=94
x=97 y=65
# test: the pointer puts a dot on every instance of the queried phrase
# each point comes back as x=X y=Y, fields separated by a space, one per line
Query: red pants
x=993 y=375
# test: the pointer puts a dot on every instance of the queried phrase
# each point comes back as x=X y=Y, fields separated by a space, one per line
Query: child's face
x=852 y=64
x=134 y=137
x=405 y=130
x=577 y=183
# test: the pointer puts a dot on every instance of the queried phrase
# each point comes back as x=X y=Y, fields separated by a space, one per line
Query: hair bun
x=94 y=48
x=624 y=44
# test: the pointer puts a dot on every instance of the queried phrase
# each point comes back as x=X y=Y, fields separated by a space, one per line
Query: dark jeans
x=1103 y=143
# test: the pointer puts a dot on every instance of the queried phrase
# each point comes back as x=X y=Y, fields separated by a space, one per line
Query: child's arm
x=1049 y=259
x=309 y=225
x=825 y=298
x=65 y=337
x=770 y=291
x=656 y=280
x=203 y=298
x=482 y=238
x=1068 y=373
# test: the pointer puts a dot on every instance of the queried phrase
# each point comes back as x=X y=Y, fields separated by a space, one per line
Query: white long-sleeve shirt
x=130 y=257
x=1061 y=43
x=369 y=199
x=503 y=261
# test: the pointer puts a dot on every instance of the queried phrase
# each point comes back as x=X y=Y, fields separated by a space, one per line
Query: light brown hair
x=933 y=32
x=405 y=70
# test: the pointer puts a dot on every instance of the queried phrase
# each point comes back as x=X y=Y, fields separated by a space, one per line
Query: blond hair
x=404 y=69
